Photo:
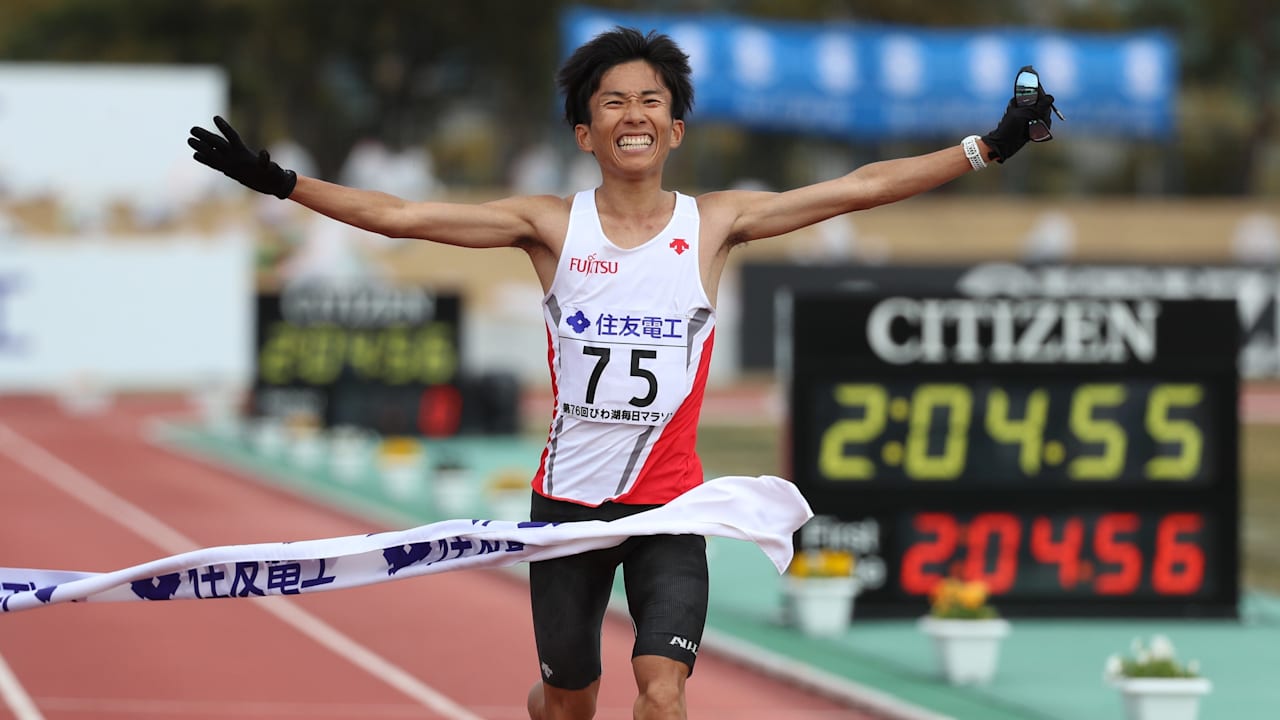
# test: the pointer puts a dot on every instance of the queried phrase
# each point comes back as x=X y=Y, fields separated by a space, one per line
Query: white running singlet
x=629 y=334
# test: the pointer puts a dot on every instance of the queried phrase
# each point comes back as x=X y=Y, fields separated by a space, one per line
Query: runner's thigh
x=569 y=596
x=666 y=581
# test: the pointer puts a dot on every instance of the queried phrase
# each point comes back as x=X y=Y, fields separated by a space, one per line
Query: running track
x=91 y=493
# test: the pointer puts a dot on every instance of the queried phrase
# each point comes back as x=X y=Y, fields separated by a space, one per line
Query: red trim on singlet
x=673 y=467
x=555 y=404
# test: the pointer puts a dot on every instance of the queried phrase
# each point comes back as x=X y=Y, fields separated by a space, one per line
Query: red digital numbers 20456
x=1102 y=553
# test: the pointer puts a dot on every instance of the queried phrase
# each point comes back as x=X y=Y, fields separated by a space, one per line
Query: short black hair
x=580 y=75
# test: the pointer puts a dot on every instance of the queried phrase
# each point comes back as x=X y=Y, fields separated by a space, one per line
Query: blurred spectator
x=1052 y=239
x=836 y=238
x=536 y=171
x=82 y=210
x=1256 y=240
x=5 y=190
x=289 y=153
x=328 y=251
x=186 y=185
x=408 y=174
x=270 y=211
x=9 y=227
x=834 y=242
x=583 y=173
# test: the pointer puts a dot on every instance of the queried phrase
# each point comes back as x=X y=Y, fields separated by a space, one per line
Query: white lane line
x=844 y=690
x=15 y=696
x=134 y=708
x=83 y=488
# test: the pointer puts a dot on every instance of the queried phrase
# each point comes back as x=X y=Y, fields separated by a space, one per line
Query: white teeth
x=633 y=141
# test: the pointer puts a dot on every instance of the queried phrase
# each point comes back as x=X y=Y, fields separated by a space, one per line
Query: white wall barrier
x=131 y=146
x=172 y=313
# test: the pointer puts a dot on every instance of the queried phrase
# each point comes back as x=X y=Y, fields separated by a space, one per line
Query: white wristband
x=973 y=152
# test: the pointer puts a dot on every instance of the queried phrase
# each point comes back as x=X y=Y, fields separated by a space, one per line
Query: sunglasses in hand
x=1026 y=91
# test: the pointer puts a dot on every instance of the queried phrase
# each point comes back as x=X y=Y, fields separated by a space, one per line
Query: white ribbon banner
x=764 y=510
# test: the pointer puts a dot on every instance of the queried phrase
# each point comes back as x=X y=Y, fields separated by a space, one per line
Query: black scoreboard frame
x=998 y=512
x=374 y=356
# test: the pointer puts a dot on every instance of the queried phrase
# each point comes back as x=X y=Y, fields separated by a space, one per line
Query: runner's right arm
x=500 y=223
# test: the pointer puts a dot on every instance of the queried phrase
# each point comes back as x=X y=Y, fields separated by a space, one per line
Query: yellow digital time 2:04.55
x=1135 y=430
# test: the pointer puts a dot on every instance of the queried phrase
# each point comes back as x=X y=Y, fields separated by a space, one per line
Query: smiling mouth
x=634 y=142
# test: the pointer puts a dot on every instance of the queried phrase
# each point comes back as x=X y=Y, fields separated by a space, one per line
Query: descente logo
x=591 y=266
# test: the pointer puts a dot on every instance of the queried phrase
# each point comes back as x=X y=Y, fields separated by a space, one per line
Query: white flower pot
x=218 y=406
x=350 y=454
x=1162 y=698
x=512 y=505
x=968 y=650
x=821 y=606
x=268 y=437
x=402 y=478
x=307 y=450
x=453 y=491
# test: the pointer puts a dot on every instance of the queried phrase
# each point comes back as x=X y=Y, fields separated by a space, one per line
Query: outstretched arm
x=756 y=215
x=762 y=214
x=501 y=223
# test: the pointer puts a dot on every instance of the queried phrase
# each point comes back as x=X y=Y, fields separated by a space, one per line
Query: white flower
x=1161 y=648
x=1114 y=668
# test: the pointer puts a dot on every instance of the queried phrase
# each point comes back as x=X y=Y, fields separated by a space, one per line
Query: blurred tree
x=326 y=72
x=330 y=72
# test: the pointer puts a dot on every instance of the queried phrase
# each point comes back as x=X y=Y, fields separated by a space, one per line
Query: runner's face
x=631 y=128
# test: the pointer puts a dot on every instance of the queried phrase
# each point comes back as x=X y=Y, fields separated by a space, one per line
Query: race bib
x=622 y=366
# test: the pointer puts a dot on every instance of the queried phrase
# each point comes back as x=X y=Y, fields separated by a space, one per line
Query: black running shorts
x=665 y=577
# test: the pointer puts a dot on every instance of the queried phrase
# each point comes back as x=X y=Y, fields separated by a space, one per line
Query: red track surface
x=456 y=645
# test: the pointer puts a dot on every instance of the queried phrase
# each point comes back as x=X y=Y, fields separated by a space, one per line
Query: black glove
x=1011 y=134
x=230 y=157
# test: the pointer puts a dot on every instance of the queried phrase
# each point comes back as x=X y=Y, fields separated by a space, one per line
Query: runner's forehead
x=633 y=78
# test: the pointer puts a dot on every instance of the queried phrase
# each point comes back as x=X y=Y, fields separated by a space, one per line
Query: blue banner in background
x=878 y=82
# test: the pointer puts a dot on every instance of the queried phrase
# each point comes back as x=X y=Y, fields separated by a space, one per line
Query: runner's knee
x=661 y=700
x=534 y=702
x=557 y=704
x=660 y=684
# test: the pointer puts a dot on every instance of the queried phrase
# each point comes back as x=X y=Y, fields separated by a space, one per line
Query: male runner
x=631 y=272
